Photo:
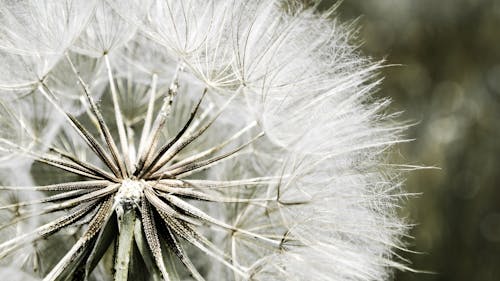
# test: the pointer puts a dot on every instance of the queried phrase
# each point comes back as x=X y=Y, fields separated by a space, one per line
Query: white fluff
x=295 y=72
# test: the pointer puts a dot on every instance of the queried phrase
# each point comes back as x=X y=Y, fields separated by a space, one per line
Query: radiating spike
x=159 y=123
x=103 y=241
x=179 y=251
x=199 y=195
x=103 y=128
x=82 y=131
x=199 y=242
x=67 y=186
x=167 y=146
x=145 y=252
x=164 y=207
x=96 y=170
x=119 y=121
x=152 y=239
x=195 y=167
x=211 y=184
x=49 y=160
x=52 y=198
x=84 y=198
x=196 y=157
x=78 y=249
x=149 y=115
x=68 y=167
x=44 y=230
x=194 y=211
x=188 y=138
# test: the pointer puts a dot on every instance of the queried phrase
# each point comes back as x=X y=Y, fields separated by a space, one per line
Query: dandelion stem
x=126 y=225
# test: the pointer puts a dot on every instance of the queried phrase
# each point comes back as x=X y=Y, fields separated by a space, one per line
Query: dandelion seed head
x=193 y=140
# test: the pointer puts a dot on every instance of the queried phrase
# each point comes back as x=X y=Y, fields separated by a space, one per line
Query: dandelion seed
x=205 y=140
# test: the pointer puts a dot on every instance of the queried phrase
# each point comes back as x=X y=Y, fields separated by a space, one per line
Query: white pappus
x=192 y=140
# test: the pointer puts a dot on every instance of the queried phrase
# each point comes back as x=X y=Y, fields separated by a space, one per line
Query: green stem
x=126 y=224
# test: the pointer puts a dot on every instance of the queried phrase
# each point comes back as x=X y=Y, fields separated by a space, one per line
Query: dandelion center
x=130 y=192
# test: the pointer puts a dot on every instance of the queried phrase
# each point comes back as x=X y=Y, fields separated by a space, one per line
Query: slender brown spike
x=58 y=163
x=179 y=251
x=167 y=146
x=31 y=215
x=164 y=207
x=122 y=135
x=48 y=199
x=83 y=132
x=152 y=239
x=44 y=230
x=182 y=191
x=84 y=198
x=85 y=167
x=201 y=165
x=181 y=228
x=159 y=123
x=103 y=242
x=190 y=138
x=195 y=212
x=200 y=195
x=199 y=214
x=69 y=167
x=103 y=128
x=213 y=184
x=160 y=205
x=96 y=170
x=112 y=148
x=153 y=137
x=147 y=256
x=95 y=146
x=186 y=232
x=149 y=114
x=100 y=150
x=73 y=255
x=20 y=219
x=212 y=150
x=67 y=186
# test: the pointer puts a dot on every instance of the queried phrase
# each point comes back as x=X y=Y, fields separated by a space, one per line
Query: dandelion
x=180 y=140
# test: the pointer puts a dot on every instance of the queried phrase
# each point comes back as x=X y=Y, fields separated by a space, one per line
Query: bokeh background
x=449 y=83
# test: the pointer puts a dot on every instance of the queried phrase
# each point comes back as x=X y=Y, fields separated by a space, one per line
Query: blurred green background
x=448 y=82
